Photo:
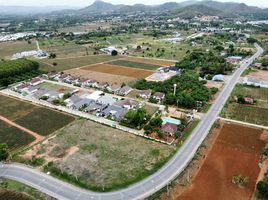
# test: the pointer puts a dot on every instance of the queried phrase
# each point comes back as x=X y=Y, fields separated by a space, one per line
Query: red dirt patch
x=118 y=70
x=236 y=151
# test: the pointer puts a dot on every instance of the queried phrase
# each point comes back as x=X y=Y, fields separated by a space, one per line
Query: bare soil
x=236 y=151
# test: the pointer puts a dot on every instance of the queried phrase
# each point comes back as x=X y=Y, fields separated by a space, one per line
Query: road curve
x=145 y=188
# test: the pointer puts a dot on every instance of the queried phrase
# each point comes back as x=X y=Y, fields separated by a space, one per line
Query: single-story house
x=106 y=100
x=95 y=107
x=22 y=87
x=169 y=128
x=36 y=81
x=31 y=89
x=159 y=96
x=128 y=103
x=145 y=94
x=102 y=85
x=81 y=103
x=124 y=90
x=115 y=112
x=95 y=95
x=234 y=59
x=114 y=88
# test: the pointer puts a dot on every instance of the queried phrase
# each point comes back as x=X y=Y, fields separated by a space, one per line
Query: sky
x=83 y=3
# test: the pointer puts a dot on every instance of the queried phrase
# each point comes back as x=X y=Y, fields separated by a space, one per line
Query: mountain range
x=185 y=9
x=205 y=7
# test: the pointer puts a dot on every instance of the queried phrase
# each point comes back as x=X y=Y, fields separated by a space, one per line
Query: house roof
x=145 y=92
x=170 y=128
x=159 y=95
x=125 y=89
x=116 y=111
x=127 y=102
x=107 y=100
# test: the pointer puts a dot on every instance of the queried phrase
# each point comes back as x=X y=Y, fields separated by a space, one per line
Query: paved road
x=145 y=188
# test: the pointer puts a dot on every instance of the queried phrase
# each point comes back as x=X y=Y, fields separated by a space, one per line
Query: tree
x=156 y=122
x=4 y=152
x=52 y=56
x=114 y=53
x=262 y=187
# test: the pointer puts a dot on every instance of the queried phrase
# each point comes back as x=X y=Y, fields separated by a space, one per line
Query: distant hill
x=26 y=10
x=230 y=7
x=196 y=10
x=100 y=7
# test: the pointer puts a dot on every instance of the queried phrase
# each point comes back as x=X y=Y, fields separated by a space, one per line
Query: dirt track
x=38 y=137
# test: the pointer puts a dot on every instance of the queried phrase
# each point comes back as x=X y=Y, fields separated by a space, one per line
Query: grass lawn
x=41 y=120
x=132 y=64
x=14 y=137
x=150 y=110
x=105 y=159
x=74 y=62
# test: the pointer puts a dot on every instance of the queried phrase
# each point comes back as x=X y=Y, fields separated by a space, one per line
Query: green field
x=41 y=120
x=132 y=64
x=74 y=62
x=14 y=137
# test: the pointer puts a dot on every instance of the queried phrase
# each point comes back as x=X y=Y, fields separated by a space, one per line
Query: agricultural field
x=158 y=62
x=38 y=119
x=132 y=64
x=15 y=140
x=215 y=178
x=99 y=76
x=9 y=48
x=101 y=158
x=73 y=62
x=119 y=70
x=256 y=114
x=246 y=113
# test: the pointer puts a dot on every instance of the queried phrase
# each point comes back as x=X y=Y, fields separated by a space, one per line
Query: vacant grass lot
x=73 y=62
x=57 y=87
x=41 y=120
x=102 y=158
x=10 y=48
x=132 y=64
x=14 y=137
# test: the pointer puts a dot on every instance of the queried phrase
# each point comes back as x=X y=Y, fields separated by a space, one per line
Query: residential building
x=145 y=94
x=124 y=91
x=159 y=96
x=169 y=128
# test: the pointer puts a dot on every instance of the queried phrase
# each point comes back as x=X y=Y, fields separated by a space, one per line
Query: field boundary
x=244 y=123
